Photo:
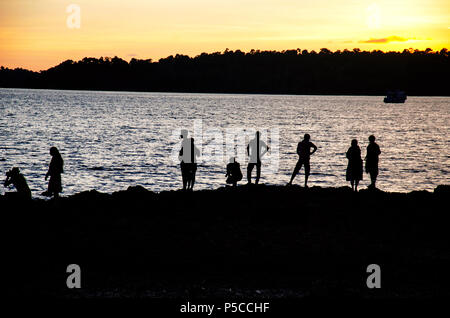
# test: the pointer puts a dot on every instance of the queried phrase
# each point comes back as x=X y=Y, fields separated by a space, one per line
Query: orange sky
x=34 y=33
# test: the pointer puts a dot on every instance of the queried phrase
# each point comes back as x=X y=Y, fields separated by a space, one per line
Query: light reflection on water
x=111 y=140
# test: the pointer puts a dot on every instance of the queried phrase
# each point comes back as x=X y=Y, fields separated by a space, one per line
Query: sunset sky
x=34 y=34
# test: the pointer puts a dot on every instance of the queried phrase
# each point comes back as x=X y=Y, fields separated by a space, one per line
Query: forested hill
x=270 y=72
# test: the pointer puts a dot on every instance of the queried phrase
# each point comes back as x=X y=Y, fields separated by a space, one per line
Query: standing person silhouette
x=373 y=152
x=54 y=171
x=355 y=165
x=304 y=154
x=184 y=156
x=17 y=179
x=255 y=152
x=188 y=163
x=192 y=165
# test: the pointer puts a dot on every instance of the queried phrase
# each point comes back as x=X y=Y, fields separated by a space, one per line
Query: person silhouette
x=255 y=152
x=184 y=156
x=192 y=165
x=234 y=173
x=304 y=154
x=354 y=172
x=18 y=180
x=188 y=160
x=373 y=152
x=54 y=171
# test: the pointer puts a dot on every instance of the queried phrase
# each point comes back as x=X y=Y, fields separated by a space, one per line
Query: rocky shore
x=258 y=241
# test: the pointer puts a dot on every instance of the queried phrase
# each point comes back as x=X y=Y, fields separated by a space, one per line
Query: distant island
x=297 y=71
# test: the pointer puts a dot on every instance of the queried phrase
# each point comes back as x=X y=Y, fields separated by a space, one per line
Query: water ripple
x=111 y=140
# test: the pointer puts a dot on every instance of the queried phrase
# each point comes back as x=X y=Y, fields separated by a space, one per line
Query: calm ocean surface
x=112 y=140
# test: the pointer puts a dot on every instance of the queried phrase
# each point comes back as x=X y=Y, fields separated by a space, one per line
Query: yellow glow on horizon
x=34 y=34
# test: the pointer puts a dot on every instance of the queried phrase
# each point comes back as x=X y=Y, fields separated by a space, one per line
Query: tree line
x=269 y=72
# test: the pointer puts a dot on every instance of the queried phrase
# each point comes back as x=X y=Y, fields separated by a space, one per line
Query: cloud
x=132 y=55
x=386 y=40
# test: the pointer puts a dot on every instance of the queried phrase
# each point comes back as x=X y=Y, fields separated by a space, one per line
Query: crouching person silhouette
x=54 y=172
x=234 y=172
x=17 y=179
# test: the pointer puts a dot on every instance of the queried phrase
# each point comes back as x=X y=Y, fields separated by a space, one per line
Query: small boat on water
x=396 y=96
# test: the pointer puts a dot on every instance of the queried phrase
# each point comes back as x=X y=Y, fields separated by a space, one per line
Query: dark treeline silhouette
x=286 y=72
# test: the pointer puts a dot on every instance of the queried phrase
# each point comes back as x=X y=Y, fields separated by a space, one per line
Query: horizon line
x=410 y=50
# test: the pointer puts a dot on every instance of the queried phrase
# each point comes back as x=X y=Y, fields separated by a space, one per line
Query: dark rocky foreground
x=263 y=242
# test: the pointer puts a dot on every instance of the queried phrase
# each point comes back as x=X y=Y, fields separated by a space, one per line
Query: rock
x=442 y=190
